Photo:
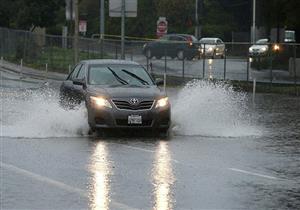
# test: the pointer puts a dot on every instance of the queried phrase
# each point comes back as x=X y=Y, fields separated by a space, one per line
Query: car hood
x=208 y=46
x=126 y=91
x=258 y=47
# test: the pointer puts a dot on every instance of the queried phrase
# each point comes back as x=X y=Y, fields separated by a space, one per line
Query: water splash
x=212 y=109
x=201 y=108
x=37 y=114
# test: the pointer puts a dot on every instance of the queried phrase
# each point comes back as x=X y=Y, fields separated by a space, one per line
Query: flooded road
x=224 y=153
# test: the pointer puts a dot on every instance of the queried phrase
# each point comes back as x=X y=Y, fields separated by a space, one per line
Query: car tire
x=180 y=54
x=91 y=130
x=148 y=54
x=164 y=133
x=190 y=58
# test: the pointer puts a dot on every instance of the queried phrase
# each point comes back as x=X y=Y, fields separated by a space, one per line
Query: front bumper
x=117 y=118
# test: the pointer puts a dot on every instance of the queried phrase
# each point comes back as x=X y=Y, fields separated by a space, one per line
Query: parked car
x=212 y=47
x=260 y=48
x=117 y=94
x=173 y=45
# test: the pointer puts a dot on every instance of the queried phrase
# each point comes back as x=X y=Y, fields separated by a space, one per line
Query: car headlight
x=144 y=45
x=100 y=102
x=162 y=102
x=250 y=49
x=263 y=49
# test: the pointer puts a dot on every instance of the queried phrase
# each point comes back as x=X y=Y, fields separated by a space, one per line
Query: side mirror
x=78 y=82
x=159 y=81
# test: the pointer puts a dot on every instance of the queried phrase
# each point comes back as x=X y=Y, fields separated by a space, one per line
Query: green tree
x=25 y=14
x=217 y=20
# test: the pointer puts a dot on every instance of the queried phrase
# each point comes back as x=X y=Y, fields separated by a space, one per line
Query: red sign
x=82 y=26
x=162 y=27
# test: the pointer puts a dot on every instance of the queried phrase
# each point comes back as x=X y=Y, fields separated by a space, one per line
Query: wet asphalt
x=181 y=172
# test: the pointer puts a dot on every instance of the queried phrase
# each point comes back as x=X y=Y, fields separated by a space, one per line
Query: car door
x=176 y=43
x=162 y=46
x=78 y=90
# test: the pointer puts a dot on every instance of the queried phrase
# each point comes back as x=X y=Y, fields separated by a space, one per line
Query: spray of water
x=212 y=109
x=201 y=108
x=37 y=114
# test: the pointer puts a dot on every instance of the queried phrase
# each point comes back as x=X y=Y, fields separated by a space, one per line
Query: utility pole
x=102 y=20
x=76 y=31
x=253 y=34
x=123 y=30
x=196 y=20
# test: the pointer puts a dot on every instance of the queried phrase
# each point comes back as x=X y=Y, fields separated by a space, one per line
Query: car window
x=81 y=73
x=74 y=73
x=177 y=38
x=190 y=38
x=262 y=41
x=194 y=39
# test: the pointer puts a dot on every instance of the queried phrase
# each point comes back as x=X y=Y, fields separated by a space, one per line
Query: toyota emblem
x=133 y=101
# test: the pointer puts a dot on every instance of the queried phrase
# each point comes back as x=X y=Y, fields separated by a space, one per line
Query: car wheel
x=149 y=54
x=164 y=133
x=91 y=130
x=190 y=58
x=180 y=54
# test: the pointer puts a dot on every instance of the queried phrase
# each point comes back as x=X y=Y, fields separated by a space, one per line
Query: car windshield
x=118 y=75
x=262 y=41
x=208 y=41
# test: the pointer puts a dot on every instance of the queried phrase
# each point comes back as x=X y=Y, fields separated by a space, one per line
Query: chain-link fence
x=262 y=62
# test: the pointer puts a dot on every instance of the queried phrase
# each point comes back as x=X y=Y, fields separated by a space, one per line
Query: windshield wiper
x=122 y=81
x=136 y=77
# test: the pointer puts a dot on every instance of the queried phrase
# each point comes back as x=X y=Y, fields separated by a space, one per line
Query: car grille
x=143 y=105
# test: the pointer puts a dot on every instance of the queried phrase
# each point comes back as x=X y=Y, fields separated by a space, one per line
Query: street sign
x=115 y=8
x=82 y=26
x=162 y=27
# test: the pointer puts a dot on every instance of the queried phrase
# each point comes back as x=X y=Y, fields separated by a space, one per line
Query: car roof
x=266 y=40
x=109 y=61
x=178 y=35
x=209 y=38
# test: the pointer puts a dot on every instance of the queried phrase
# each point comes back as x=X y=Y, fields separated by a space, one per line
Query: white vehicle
x=212 y=47
x=289 y=36
x=260 y=48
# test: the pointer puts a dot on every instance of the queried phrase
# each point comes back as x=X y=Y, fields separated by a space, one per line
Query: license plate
x=134 y=119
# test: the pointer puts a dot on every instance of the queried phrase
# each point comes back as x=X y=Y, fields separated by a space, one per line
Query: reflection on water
x=100 y=169
x=163 y=178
